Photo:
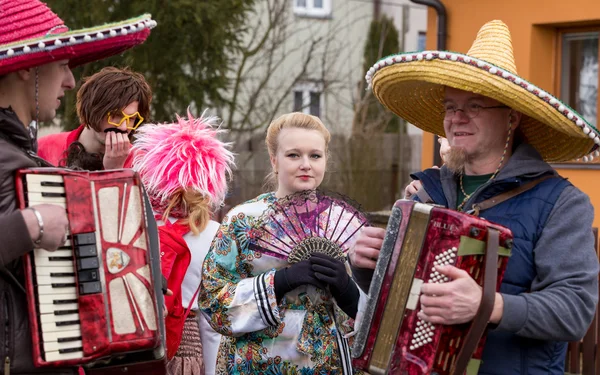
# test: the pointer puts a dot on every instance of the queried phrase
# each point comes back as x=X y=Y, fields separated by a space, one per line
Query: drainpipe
x=441 y=46
x=376 y=9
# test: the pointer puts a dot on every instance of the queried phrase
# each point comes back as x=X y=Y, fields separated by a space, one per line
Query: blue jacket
x=550 y=287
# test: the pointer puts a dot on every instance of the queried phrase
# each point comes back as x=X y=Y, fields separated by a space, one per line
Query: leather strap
x=491 y=202
x=480 y=322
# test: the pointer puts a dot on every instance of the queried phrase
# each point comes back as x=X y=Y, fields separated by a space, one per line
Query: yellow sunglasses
x=134 y=118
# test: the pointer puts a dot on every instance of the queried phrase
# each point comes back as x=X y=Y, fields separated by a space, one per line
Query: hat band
x=50 y=43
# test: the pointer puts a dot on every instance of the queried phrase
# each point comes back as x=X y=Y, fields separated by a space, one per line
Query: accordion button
x=89 y=288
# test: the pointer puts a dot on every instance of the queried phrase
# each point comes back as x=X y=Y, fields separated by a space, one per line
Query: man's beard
x=456 y=158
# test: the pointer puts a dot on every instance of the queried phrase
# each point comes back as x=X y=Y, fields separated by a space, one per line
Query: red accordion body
x=391 y=339
x=94 y=301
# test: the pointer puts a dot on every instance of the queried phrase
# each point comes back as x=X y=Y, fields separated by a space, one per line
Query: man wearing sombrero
x=36 y=53
x=502 y=130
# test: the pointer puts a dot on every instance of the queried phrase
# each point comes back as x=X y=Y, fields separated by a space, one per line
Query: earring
x=276 y=172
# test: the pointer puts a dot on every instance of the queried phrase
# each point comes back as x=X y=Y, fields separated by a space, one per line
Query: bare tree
x=282 y=50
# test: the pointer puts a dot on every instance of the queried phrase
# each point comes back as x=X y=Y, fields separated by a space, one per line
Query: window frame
x=560 y=37
x=309 y=9
x=307 y=88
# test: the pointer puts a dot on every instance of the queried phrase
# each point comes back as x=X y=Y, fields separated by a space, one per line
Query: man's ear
x=515 y=118
x=25 y=74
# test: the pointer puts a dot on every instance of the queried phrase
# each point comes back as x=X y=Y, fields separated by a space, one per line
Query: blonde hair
x=294 y=120
x=198 y=209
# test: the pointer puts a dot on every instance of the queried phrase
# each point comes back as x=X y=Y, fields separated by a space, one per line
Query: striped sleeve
x=266 y=301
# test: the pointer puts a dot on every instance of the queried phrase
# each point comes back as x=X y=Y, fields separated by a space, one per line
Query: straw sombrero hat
x=412 y=86
x=32 y=35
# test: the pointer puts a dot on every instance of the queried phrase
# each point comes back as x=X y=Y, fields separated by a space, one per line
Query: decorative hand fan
x=311 y=221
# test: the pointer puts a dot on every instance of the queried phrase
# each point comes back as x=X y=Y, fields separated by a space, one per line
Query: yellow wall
x=533 y=25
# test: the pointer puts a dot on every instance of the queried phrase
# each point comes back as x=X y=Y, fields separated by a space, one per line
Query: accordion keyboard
x=55 y=278
x=93 y=301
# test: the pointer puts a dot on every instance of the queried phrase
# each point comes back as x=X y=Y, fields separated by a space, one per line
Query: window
x=421 y=39
x=312 y=8
x=308 y=98
x=579 y=73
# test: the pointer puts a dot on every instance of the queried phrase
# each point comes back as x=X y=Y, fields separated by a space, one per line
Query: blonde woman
x=276 y=317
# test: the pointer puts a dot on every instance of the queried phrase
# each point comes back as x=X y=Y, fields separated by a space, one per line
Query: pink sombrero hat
x=32 y=35
x=412 y=85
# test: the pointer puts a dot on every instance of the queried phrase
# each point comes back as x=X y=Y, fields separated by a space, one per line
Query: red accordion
x=391 y=338
x=96 y=301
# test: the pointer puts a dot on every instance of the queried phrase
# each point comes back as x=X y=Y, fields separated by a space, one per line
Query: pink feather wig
x=183 y=155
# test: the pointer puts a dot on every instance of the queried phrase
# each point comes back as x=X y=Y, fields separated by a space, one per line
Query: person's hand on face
x=117 y=148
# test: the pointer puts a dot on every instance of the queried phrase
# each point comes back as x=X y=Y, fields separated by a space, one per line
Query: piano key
x=60 y=327
x=48 y=271
x=52 y=194
x=52 y=261
x=47 y=308
x=62 y=336
x=45 y=179
x=49 y=280
x=58 y=298
x=57 y=356
x=66 y=246
x=66 y=312
x=38 y=188
x=56 y=253
x=48 y=289
x=53 y=318
x=45 y=258
x=33 y=203
x=41 y=197
x=53 y=346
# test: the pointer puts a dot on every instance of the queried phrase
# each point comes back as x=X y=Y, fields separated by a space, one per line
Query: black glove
x=342 y=287
x=289 y=278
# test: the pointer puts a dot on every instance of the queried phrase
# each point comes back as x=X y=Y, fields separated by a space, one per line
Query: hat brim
x=78 y=46
x=412 y=86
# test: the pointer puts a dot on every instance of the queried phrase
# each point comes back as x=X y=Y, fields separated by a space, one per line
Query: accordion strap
x=491 y=202
x=479 y=325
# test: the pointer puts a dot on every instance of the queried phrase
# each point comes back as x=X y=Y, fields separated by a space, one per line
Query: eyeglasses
x=471 y=110
x=117 y=120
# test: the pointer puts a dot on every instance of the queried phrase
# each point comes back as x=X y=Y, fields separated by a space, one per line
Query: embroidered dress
x=303 y=334
x=197 y=352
